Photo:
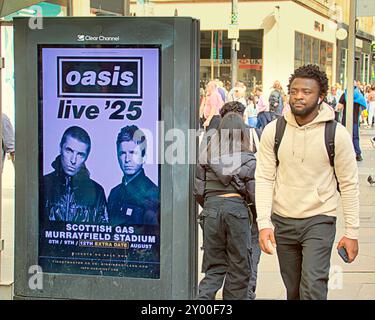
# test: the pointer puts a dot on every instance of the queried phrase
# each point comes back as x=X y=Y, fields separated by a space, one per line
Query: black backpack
x=329 y=138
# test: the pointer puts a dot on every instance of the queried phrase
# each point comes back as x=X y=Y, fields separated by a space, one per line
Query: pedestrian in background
x=255 y=252
x=237 y=92
x=371 y=106
x=263 y=109
x=276 y=99
x=297 y=197
x=210 y=107
x=332 y=100
x=224 y=187
x=7 y=145
x=222 y=91
x=250 y=114
x=359 y=104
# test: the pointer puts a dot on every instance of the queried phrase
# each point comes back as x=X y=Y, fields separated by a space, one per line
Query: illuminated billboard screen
x=99 y=180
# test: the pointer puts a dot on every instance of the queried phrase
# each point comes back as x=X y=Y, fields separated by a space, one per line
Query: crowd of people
x=275 y=185
x=259 y=109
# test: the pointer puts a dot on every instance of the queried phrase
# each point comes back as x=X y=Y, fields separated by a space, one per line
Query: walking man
x=297 y=197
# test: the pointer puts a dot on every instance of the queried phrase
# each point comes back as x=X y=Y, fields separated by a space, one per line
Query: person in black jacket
x=254 y=249
x=136 y=199
x=68 y=192
x=225 y=188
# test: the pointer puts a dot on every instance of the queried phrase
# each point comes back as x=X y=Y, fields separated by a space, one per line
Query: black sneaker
x=370 y=180
x=358 y=157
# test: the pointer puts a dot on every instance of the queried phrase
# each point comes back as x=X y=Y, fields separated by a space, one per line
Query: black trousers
x=304 y=250
x=226 y=245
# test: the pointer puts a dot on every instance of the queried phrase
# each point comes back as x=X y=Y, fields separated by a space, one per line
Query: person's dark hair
x=132 y=133
x=311 y=72
x=226 y=140
x=232 y=106
x=79 y=134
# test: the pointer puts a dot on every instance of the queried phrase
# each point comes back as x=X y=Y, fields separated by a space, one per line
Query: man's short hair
x=232 y=106
x=311 y=71
x=132 y=133
x=79 y=134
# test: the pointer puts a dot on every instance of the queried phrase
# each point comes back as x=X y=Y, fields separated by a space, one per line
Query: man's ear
x=320 y=100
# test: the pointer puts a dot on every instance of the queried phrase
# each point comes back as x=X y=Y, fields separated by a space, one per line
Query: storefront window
x=323 y=54
x=314 y=51
x=306 y=50
x=215 y=57
x=365 y=68
x=315 y=44
x=298 y=59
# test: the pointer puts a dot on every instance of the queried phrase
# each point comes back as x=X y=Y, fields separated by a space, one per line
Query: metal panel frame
x=179 y=38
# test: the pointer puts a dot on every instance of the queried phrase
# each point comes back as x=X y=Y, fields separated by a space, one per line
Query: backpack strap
x=280 y=128
x=254 y=140
x=329 y=138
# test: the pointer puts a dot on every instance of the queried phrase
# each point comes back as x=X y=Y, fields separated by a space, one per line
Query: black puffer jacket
x=236 y=169
x=76 y=199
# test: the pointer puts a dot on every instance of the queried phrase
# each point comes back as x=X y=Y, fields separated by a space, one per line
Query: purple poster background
x=70 y=240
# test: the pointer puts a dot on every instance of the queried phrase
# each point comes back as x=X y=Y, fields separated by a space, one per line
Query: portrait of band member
x=68 y=192
x=136 y=199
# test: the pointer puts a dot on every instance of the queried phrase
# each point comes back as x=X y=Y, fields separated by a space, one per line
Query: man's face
x=304 y=96
x=129 y=155
x=73 y=155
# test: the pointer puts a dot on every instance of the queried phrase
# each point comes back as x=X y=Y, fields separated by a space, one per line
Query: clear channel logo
x=86 y=37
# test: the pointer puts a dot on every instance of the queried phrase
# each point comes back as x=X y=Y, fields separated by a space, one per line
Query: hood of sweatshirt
x=299 y=145
x=326 y=113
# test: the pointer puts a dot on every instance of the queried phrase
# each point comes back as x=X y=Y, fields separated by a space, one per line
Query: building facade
x=275 y=37
x=364 y=63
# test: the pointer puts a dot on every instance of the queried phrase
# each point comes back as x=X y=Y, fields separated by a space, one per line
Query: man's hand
x=351 y=246
x=266 y=235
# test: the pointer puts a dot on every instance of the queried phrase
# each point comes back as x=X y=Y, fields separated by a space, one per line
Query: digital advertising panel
x=99 y=175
